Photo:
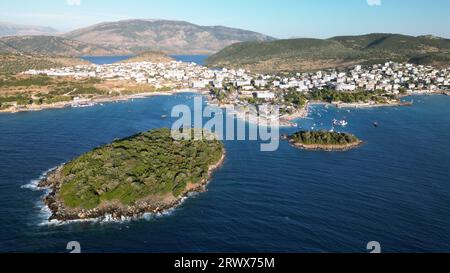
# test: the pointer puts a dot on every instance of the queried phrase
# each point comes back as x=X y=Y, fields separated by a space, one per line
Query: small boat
x=164 y=116
x=341 y=123
x=375 y=124
x=83 y=104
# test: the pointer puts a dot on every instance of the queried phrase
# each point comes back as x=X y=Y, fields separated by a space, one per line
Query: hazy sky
x=278 y=18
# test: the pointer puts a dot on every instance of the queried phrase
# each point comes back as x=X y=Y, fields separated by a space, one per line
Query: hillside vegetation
x=25 y=91
x=314 y=54
x=13 y=63
x=323 y=138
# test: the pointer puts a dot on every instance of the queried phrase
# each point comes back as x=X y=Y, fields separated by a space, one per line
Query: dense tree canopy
x=329 y=95
x=150 y=164
x=323 y=138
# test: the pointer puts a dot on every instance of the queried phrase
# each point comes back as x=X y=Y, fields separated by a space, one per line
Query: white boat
x=341 y=123
x=83 y=104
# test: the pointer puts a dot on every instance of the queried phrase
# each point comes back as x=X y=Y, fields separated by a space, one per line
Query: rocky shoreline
x=327 y=148
x=114 y=210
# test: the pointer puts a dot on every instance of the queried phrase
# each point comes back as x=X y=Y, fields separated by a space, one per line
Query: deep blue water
x=395 y=189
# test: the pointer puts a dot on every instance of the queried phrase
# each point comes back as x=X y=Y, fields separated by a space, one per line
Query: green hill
x=313 y=54
x=394 y=42
x=13 y=63
x=281 y=55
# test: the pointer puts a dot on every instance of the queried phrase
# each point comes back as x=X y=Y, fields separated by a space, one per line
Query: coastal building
x=265 y=95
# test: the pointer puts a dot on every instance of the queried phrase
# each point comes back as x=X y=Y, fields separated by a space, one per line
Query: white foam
x=45 y=212
x=33 y=185
x=107 y=219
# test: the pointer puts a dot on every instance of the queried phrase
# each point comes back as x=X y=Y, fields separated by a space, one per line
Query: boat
x=341 y=123
x=164 y=116
x=375 y=124
x=83 y=104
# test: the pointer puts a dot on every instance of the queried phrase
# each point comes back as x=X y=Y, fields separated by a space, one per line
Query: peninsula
x=146 y=173
x=324 y=141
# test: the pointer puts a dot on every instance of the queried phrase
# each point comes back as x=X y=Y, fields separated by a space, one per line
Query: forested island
x=323 y=140
x=146 y=173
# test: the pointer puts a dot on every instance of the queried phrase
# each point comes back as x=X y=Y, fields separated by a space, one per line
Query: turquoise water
x=395 y=189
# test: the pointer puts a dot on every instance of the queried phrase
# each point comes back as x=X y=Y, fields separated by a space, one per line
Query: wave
x=34 y=184
x=45 y=212
x=109 y=219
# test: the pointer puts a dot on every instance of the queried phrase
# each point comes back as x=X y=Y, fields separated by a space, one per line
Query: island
x=324 y=141
x=147 y=173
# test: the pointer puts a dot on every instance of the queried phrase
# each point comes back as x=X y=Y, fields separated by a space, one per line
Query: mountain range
x=8 y=29
x=177 y=37
x=230 y=47
x=131 y=37
x=53 y=45
x=314 y=54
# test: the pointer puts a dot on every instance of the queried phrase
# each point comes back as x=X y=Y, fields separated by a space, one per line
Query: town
x=360 y=86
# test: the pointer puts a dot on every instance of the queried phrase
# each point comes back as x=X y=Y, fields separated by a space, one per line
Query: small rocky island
x=324 y=141
x=146 y=173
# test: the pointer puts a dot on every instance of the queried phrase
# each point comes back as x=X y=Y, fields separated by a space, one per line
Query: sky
x=277 y=18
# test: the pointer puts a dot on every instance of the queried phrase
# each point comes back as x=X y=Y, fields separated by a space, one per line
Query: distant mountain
x=8 y=29
x=176 y=37
x=314 y=54
x=51 y=45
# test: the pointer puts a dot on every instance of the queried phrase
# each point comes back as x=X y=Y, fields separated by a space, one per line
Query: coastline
x=113 y=210
x=300 y=113
x=370 y=105
x=327 y=148
x=285 y=121
x=62 y=105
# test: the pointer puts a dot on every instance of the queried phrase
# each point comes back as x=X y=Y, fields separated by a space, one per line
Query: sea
x=394 y=189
